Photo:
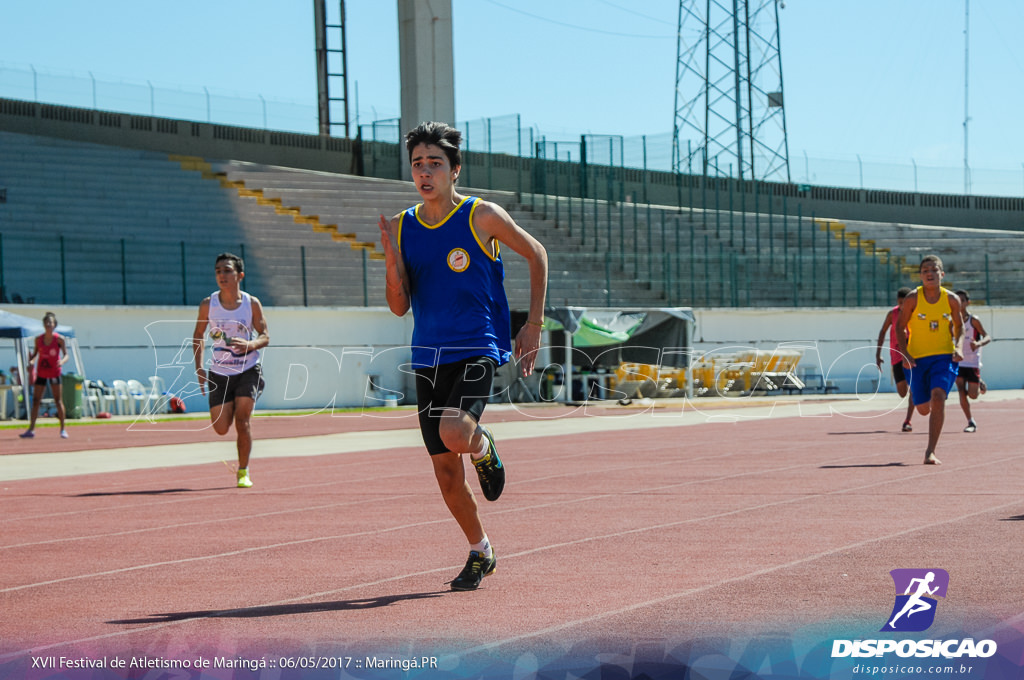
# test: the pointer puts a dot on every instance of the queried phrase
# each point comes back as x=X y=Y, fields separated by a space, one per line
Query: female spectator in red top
x=48 y=356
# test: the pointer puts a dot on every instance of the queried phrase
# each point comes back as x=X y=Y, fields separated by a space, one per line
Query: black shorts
x=225 y=389
x=898 y=375
x=464 y=385
x=971 y=374
x=41 y=382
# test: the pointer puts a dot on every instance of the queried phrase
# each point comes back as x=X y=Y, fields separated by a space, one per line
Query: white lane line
x=559 y=546
x=645 y=490
x=693 y=591
x=596 y=617
x=17 y=466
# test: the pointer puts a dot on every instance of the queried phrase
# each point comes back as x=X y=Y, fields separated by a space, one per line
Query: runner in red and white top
x=895 y=357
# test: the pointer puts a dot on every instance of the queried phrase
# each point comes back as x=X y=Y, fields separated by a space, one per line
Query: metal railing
x=599 y=254
x=149 y=271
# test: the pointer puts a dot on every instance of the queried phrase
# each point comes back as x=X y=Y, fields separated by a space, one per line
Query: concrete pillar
x=426 y=64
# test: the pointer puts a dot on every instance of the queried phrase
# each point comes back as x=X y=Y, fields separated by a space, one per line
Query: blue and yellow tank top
x=456 y=289
x=930 y=332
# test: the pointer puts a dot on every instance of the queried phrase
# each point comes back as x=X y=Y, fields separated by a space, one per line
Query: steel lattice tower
x=331 y=68
x=729 y=104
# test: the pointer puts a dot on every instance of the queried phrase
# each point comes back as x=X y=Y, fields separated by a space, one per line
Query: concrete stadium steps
x=258 y=186
x=96 y=197
x=682 y=249
x=986 y=262
x=355 y=204
x=312 y=238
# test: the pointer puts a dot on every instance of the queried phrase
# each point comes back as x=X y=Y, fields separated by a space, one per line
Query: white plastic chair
x=159 y=399
x=122 y=398
x=138 y=396
x=93 y=399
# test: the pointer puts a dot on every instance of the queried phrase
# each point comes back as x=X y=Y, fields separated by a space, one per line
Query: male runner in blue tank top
x=444 y=262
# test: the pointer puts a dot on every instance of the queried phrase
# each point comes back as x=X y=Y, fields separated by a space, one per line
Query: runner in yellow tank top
x=931 y=318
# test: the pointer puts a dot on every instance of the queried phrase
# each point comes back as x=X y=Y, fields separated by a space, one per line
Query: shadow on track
x=282 y=609
x=145 y=492
x=862 y=465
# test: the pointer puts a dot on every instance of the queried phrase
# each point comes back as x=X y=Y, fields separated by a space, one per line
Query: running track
x=621 y=531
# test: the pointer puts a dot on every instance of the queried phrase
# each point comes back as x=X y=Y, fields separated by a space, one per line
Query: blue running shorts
x=931 y=372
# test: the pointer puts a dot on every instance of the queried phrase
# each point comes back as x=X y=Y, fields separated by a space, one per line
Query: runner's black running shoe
x=489 y=469
x=477 y=566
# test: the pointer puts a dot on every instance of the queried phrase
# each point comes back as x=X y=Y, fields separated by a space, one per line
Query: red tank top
x=48 y=360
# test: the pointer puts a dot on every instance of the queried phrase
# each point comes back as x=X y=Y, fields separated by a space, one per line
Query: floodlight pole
x=967 y=55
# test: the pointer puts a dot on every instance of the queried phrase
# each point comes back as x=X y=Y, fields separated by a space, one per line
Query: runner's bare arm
x=397 y=289
x=259 y=324
x=906 y=312
x=199 y=343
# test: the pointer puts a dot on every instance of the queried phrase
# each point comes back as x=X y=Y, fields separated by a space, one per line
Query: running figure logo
x=916 y=591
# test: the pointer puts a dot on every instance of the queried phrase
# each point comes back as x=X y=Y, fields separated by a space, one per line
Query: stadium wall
x=323 y=357
x=505 y=172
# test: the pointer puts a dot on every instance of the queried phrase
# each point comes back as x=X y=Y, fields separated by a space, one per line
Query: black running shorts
x=464 y=385
x=898 y=374
x=226 y=388
x=970 y=374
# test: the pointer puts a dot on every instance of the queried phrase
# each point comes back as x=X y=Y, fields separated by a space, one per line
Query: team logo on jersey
x=458 y=260
x=917 y=591
x=223 y=336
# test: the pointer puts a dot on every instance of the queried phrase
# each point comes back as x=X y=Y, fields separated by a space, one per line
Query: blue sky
x=878 y=79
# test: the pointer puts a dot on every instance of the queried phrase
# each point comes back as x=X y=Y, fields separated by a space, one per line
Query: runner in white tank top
x=226 y=325
x=234 y=322
x=969 y=384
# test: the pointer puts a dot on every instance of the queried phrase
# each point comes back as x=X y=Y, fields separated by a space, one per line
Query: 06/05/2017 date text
x=359 y=662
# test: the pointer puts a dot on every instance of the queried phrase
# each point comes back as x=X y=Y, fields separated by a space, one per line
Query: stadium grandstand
x=129 y=204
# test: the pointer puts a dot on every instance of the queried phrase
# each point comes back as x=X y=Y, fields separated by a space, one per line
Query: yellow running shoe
x=243 y=479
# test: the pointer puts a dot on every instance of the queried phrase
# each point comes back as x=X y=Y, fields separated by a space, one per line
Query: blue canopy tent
x=22 y=330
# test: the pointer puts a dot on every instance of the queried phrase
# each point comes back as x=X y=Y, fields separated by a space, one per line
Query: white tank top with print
x=972 y=357
x=226 y=324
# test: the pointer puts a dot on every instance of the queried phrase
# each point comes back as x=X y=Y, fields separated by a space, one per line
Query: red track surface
x=612 y=538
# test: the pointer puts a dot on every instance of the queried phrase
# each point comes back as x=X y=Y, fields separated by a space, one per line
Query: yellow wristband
x=535 y=323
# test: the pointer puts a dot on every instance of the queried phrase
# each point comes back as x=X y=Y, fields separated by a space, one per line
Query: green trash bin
x=71 y=394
